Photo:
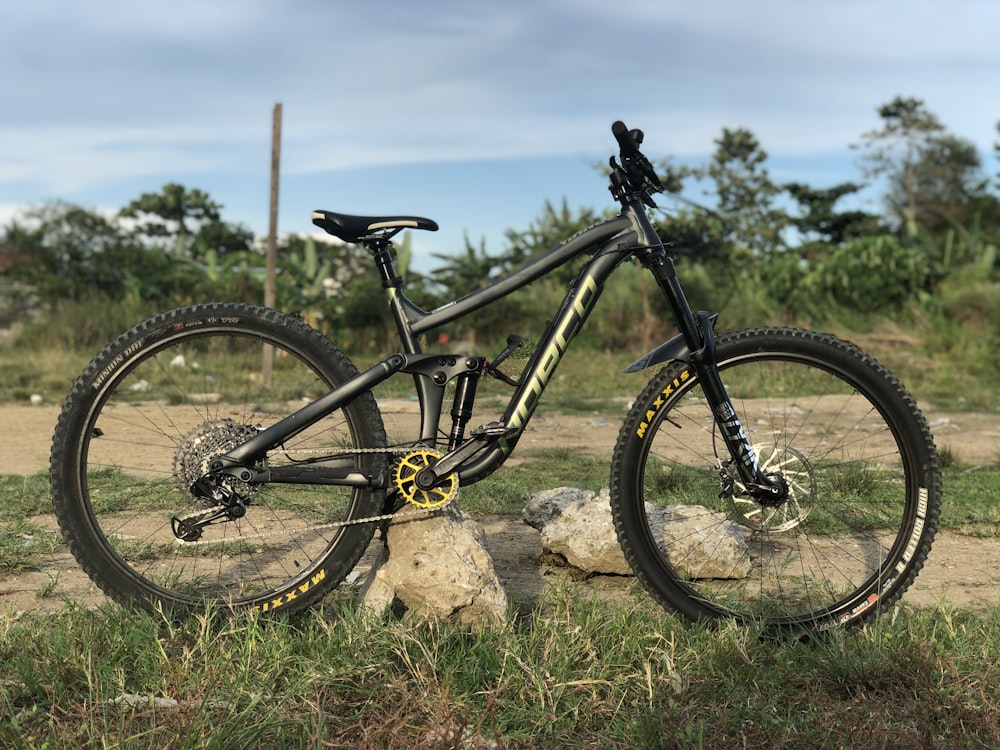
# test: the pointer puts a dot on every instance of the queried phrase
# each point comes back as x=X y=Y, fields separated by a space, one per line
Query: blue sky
x=471 y=113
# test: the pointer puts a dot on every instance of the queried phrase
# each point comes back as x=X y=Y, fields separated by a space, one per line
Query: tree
x=223 y=238
x=895 y=149
x=189 y=220
x=745 y=193
x=172 y=212
x=820 y=223
x=947 y=181
x=67 y=253
x=996 y=152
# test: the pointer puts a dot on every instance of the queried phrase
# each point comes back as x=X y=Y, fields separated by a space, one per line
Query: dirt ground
x=963 y=571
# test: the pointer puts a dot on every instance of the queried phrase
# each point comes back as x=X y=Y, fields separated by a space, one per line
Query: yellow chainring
x=405 y=477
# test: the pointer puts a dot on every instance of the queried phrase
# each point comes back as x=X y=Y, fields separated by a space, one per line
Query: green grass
x=575 y=672
x=23 y=545
x=572 y=670
x=23 y=496
x=971 y=501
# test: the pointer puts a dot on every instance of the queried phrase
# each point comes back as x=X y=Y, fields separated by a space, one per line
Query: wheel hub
x=758 y=511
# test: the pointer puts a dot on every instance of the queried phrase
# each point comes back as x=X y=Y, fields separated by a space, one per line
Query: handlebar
x=635 y=171
x=628 y=140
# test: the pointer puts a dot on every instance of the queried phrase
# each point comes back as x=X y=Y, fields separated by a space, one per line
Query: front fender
x=668 y=351
x=672 y=349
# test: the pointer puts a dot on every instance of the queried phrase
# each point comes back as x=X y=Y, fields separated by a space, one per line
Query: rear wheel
x=144 y=421
x=864 y=486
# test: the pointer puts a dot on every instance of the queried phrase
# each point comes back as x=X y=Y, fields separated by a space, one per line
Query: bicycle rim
x=864 y=487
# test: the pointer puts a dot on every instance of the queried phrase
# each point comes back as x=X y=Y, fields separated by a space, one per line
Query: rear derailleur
x=228 y=505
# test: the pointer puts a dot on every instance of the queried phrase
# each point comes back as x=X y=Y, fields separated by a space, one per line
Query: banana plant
x=301 y=274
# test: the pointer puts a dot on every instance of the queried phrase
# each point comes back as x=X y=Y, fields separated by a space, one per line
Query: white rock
x=544 y=507
x=131 y=700
x=701 y=543
x=140 y=386
x=438 y=567
x=36 y=399
x=577 y=524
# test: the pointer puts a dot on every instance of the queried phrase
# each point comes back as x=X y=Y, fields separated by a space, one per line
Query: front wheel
x=857 y=457
x=142 y=425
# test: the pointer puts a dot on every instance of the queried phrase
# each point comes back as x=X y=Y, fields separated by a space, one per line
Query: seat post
x=381 y=250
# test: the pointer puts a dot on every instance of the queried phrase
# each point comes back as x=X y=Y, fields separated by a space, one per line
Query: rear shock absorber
x=461 y=406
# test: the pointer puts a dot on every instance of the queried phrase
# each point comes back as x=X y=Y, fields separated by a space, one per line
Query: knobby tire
x=146 y=417
x=863 y=475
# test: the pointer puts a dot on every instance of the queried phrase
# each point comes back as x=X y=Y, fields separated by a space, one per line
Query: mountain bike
x=185 y=476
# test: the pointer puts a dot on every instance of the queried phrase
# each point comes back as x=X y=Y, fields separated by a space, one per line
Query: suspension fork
x=699 y=336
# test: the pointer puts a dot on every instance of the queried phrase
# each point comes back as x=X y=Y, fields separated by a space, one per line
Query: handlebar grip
x=623 y=135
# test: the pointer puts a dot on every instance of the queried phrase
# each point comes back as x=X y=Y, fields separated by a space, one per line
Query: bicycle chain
x=395 y=450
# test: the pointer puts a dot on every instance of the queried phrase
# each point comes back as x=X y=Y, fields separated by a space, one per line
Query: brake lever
x=649 y=173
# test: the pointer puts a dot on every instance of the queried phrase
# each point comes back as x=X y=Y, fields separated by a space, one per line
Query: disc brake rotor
x=405 y=478
x=798 y=475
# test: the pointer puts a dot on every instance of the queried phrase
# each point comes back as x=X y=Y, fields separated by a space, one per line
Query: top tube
x=421 y=321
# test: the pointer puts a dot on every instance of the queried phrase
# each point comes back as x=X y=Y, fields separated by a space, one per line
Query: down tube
x=573 y=313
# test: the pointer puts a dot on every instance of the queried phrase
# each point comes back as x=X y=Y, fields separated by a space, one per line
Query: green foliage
x=302 y=275
x=754 y=257
x=960 y=250
x=81 y=326
x=233 y=276
x=525 y=312
x=870 y=274
x=66 y=253
x=553 y=227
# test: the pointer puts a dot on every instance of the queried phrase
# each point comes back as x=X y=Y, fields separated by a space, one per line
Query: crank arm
x=479 y=439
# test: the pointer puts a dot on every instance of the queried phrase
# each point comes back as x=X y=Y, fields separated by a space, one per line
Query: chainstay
x=395 y=515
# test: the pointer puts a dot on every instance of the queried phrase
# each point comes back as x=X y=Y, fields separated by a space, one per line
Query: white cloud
x=96 y=94
x=9 y=212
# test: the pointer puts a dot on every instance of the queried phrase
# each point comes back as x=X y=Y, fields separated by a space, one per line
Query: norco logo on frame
x=583 y=300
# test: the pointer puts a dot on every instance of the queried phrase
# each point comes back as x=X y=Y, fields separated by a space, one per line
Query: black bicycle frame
x=610 y=242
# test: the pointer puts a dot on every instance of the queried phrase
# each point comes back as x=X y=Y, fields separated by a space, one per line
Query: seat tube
x=393 y=285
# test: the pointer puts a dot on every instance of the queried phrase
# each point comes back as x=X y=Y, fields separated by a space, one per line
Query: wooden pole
x=270 y=283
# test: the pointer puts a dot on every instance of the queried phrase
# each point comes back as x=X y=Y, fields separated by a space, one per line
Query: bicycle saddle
x=352 y=228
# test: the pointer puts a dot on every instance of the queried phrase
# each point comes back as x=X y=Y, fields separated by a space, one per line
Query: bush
x=865 y=275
